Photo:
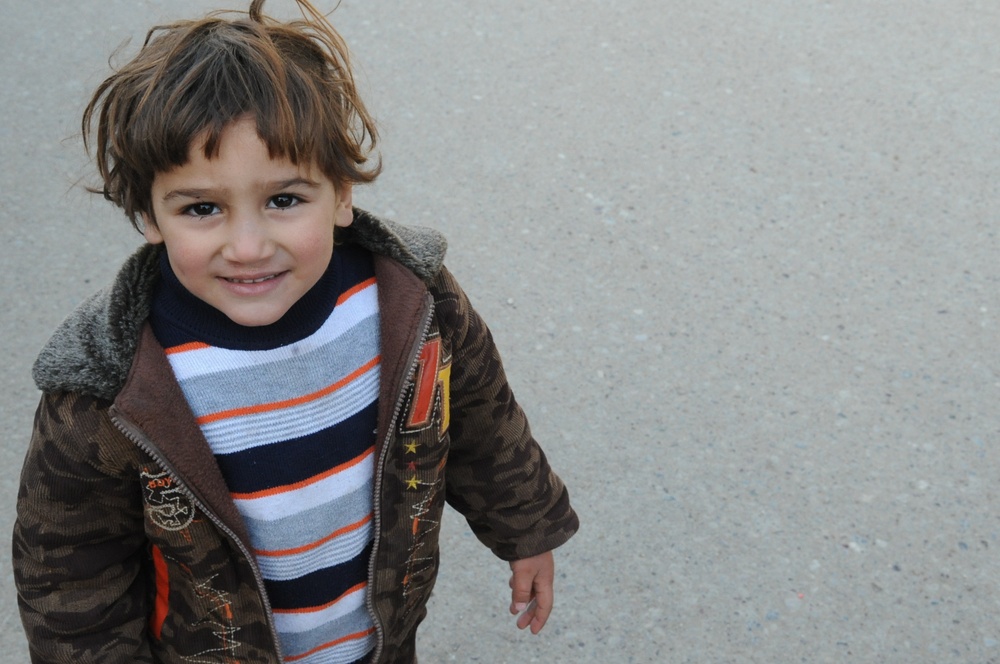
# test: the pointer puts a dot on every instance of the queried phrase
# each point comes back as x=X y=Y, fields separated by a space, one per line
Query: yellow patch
x=444 y=380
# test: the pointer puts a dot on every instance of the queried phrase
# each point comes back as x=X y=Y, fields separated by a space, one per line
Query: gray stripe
x=329 y=554
x=267 y=383
x=234 y=434
x=298 y=643
x=313 y=524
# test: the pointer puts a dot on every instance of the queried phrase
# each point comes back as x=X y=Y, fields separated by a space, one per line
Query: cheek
x=314 y=250
x=186 y=260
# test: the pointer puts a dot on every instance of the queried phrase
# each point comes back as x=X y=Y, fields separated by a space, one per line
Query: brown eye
x=201 y=209
x=282 y=201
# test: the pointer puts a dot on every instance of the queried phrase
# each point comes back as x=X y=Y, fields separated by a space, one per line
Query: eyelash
x=191 y=210
x=295 y=200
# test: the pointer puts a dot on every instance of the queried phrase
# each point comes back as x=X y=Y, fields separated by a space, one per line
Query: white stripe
x=209 y=360
x=341 y=654
x=307 y=526
x=238 y=387
x=303 y=622
x=336 y=551
x=235 y=434
x=283 y=505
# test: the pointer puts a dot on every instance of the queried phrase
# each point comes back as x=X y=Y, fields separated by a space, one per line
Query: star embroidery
x=411 y=466
x=412 y=483
x=411 y=448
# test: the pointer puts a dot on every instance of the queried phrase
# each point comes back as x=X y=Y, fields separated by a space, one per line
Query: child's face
x=247 y=234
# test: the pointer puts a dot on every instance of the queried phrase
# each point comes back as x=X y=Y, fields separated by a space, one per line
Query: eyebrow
x=212 y=193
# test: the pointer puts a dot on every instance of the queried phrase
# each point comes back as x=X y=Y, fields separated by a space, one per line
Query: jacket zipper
x=379 y=471
x=134 y=434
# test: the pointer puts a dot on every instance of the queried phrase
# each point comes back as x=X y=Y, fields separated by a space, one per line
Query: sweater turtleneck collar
x=178 y=316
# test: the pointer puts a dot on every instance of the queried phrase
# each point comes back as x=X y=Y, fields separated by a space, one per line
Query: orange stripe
x=183 y=348
x=317 y=543
x=264 y=493
x=316 y=609
x=298 y=401
x=346 y=295
x=343 y=639
x=162 y=603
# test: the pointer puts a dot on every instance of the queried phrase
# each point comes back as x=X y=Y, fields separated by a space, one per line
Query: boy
x=245 y=443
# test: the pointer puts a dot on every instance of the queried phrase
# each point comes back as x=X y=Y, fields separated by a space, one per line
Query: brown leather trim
x=402 y=297
x=152 y=399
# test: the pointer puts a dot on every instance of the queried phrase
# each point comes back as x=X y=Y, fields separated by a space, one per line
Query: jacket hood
x=91 y=351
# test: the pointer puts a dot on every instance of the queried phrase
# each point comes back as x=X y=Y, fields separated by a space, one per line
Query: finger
x=543 y=606
x=520 y=591
x=525 y=618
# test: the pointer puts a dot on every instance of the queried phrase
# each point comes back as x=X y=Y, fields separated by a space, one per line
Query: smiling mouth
x=234 y=280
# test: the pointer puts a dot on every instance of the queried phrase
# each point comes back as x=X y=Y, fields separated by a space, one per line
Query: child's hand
x=531 y=590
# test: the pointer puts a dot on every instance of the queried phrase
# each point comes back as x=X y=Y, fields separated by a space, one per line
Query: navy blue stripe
x=319 y=587
x=291 y=461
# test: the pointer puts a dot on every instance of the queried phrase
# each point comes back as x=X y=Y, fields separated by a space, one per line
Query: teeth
x=251 y=281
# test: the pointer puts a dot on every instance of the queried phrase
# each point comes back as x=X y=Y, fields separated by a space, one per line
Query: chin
x=253 y=320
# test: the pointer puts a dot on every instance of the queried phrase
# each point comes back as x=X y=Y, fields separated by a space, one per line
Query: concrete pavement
x=741 y=260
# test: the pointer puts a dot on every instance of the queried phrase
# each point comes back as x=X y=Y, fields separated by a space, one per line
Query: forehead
x=239 y=155
x=238 y=136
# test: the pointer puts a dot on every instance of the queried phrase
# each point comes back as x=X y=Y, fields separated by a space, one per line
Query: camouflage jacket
x=127 y=545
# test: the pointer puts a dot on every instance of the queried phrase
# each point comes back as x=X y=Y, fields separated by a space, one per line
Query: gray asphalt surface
x=741 y=259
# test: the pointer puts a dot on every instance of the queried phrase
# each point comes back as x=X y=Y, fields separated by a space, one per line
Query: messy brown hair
x=191 y=79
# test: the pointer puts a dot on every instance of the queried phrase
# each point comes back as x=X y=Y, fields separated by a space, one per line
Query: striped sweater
x=289 y=411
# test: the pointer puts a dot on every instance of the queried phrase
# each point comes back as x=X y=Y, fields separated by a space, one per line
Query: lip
x=252 y=284
x=252 y=279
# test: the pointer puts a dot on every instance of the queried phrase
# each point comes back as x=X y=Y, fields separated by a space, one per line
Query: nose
x=248 y=241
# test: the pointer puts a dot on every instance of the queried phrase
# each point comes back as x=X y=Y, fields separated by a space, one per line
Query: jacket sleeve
x=497 y=475
x=79 y=541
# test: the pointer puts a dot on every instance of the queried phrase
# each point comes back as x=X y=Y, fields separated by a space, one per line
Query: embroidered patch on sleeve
x=431 y=390
x=168 y=507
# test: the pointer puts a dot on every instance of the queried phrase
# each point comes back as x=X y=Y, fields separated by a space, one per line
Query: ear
x=149 y=229
x=345 y=206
